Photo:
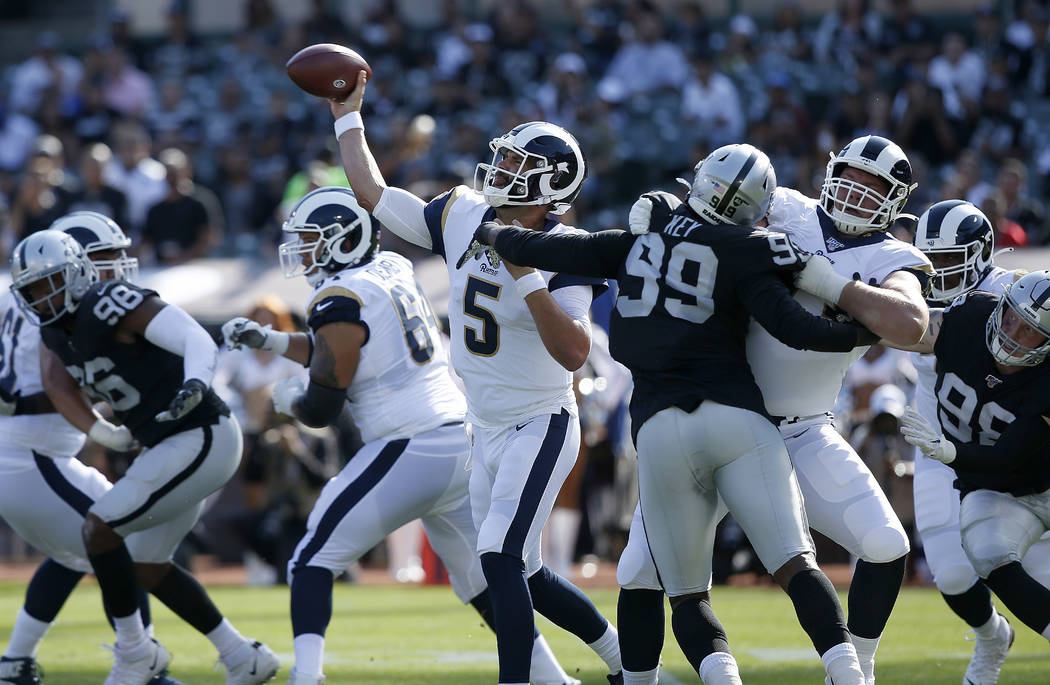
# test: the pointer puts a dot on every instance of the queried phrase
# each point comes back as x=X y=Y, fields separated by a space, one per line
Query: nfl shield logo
x=992 y=381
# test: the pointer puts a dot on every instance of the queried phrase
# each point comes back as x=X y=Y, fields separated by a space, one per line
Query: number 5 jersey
x=135 y=377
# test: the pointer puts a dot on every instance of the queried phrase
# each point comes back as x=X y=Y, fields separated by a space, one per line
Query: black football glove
x=186 y=400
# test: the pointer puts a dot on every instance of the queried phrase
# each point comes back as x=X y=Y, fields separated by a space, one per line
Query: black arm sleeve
x=37 y=403
x=1022 y=443
x=580 y=254
x=770 y=302
x=320 y=405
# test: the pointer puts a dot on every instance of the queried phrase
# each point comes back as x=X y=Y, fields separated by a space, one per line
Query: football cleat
x=989 y=654
x=615 y=678
x=20 y=671
x=164 y=678
x=258 y=665
x=138 y=666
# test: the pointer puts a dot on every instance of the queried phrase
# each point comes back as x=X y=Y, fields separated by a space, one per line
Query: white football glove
x=819 y=278
x=114 y=437
x=284 y=395
x=919 y=432
x=242 y=331
x=639 y=216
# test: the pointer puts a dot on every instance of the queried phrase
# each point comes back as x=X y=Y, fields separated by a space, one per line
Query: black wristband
x=320 y=405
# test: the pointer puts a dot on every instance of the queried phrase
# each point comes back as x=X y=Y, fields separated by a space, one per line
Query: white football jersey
x=805 y=382
x=402 y=386
x=995 y=281
x=48 y=434
x=496 y=349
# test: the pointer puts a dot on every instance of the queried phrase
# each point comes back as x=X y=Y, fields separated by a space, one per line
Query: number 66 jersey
x=135 y=377
x=396 y=392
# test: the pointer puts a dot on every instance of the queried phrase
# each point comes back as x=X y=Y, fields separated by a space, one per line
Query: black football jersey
x=137 y=379
x=975 y=403
x=687 y=294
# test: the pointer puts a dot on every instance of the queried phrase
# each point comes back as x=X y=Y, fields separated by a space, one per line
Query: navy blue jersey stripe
x=432 y=213
x=536 y=484
x=723 y=204
x=350 y=496
x=179 y=478
x=935 y=217
x=873 y=148
x=68 y=492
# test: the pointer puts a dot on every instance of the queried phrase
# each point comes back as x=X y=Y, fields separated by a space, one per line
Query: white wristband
x=348 y=121
x=277 y=342
x=530 y=283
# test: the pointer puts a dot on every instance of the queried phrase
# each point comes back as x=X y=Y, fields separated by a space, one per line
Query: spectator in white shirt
x=960 y=74
x=647 y=63
x=711 y=103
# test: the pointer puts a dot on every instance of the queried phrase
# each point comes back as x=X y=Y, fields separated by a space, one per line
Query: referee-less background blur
x=176 y=118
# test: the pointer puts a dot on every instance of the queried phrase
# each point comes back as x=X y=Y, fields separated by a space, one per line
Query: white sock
x=226 y=639
x=545 y=667
x=866 y=647
x=990 y=627
x=719 y=668
x=130 y=632
x=641 y=677
x=841 y=660
x=26 y=636
x=559 y=536
x=608 y=648
x=309 y=654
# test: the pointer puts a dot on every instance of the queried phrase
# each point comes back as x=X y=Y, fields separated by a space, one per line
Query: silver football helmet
x=955 y=229
x=98 y=233
x=333 y=229
x=880 y=157
x=1029 y=299
x=733 y=185
x=555 y=177
x=58 y=260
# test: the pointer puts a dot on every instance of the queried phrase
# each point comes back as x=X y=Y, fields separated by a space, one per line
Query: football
x=326 y=70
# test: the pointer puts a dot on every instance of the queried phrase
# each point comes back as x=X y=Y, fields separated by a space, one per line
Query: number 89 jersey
x=402 y=384
x=135 y=377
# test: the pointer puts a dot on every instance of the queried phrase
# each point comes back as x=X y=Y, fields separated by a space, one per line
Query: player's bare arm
x=337 y=352
x=567 y=340
x=65 y=394
x=895 y=310
x=929 y=337
x=361 y=168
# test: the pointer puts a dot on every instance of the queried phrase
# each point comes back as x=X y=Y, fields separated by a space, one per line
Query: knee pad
x=955 y=579
x=884 y=544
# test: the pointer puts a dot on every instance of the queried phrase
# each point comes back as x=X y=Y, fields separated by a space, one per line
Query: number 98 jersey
x=975 y=403
x=402 y=384
x=135 y=377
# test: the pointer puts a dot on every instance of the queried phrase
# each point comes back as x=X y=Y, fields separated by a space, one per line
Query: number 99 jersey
x=135 y=377
x=402 y=384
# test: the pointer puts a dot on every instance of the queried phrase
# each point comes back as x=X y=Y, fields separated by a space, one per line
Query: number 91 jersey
x=402 y=384
x=135 y=377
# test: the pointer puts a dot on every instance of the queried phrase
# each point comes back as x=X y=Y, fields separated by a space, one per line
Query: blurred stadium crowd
x=198 y=144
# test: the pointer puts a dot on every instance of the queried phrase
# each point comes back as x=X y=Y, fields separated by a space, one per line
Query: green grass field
x=410 y=635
